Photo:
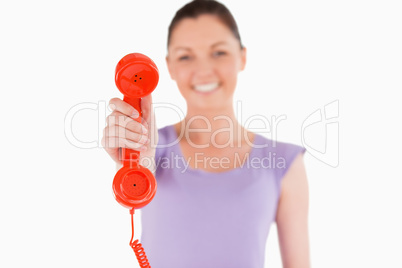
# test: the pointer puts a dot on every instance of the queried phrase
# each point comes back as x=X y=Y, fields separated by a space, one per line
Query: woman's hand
x=123 y=130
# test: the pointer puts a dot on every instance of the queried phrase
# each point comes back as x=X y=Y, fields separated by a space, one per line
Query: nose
x=204 y=68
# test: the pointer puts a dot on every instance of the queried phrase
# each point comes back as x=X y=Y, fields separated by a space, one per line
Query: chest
x=214 y=159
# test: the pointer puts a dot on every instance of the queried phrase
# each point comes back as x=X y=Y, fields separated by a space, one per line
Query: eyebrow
x=214 y=45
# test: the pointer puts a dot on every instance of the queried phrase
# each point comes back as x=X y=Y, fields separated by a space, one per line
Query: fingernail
x=144 y=139
x=135 y=114
x=144 y=129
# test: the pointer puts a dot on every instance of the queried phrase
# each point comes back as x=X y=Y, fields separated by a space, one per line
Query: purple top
x=213 y=219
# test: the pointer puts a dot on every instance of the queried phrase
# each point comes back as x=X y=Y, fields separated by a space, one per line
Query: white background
x=57 y=206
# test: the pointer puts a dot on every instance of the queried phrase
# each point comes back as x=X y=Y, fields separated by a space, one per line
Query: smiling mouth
x=204 y=88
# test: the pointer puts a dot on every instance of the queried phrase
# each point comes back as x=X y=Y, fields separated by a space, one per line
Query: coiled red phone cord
x=137 y=247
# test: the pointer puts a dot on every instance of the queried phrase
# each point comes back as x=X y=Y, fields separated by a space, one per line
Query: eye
x=219 y=53
x=184 y=58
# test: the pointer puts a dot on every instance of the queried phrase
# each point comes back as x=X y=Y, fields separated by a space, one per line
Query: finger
x=114 y=133
x=118 y=131
x=117 y=118
x=117 y=104
x=117 y=142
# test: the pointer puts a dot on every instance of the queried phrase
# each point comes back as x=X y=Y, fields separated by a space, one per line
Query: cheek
x=229 y=71
x=183 y=77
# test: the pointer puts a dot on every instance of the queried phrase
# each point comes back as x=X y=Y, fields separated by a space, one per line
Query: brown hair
x=199 y=7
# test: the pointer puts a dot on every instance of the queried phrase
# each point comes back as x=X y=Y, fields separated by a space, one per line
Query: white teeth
x=206 y=87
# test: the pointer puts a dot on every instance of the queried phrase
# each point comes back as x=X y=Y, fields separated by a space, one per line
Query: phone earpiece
x=136 y=75
x=134 y=186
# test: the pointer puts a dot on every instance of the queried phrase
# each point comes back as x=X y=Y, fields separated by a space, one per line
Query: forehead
x=205 y=30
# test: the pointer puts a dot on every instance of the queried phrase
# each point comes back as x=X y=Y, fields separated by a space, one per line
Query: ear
x=243 y=58
x=169 y=67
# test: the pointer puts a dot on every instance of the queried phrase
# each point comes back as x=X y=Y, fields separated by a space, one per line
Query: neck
x=216 y=127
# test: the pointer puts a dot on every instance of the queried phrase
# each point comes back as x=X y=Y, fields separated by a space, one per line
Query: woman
x=210 y=211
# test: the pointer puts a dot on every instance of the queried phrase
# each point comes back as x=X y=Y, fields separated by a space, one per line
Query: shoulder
x=163 y=134
x=166 y=135
x=166 y=138
x=284 y=153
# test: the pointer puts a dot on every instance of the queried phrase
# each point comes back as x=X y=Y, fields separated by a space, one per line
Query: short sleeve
x=160 y=147
x=286 y=154
x=166 y=138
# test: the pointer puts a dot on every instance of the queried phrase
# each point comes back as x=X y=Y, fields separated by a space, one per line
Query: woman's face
x=204 y=59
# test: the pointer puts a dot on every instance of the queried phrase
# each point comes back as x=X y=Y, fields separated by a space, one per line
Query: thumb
x=148 y=120
x=146 y=107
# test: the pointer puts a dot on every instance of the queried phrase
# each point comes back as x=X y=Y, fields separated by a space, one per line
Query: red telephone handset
x=134 y=186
